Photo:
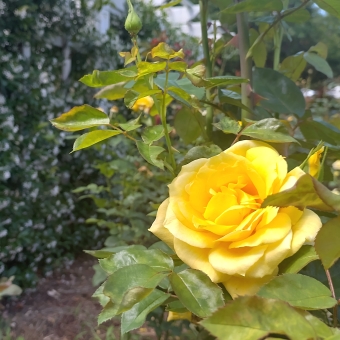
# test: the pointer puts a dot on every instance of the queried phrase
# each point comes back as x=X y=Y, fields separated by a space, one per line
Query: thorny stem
x=246 y=64
x=205 y=42
x=123 y=132
x=163 y=119
x=335 y=308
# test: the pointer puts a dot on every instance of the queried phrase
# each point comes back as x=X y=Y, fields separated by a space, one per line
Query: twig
x=123 y=132
x=335 y=308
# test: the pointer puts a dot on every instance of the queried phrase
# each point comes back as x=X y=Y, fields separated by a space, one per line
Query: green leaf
x=145 y=67
x=92 y=138
x=180 y=66
x=320 y=49
x=99 y=295
x=183 y=97
x=129 y=285
x=155 y=258
x=170 y=4
x=136 y=316
x=104 y=78
x=299 y=260
x=196 y=75
x=163 y=247
x=281 y=94
x=232 y=98
x=327 y=242
x=254 y=6
x=107 y=313
x=320 y=328
x=330 y=6
x=196 y=291
x=188 y=124
x=320 y=130
x=99 y=275
x=293 y=66
x=203 y=151
x=112 y=92
x=319 y=63
x=259 y=51
x=176 y=306
x=269 y=130
x=307 y=192
x=150 y=153
x=153 y=133
x=300 y=16
x=132 y=96
x=299 y=291
x=80 y=118
x=253 y=317
x=223 y=80
x=106 y=252
x=228 y=125
x=164 y=51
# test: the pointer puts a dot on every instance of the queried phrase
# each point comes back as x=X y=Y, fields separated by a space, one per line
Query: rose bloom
x=143 y=104
x=214 y=221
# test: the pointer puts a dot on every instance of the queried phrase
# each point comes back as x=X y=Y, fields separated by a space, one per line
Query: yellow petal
x=242 y=147
x=305 y=230
x=157 y=227
x=235 y=261
x=273 y=256
x=240 y=286
x=197 y=258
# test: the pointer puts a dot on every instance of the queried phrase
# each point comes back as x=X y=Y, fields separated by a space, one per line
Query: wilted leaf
x=80 y=118
x=253 y=317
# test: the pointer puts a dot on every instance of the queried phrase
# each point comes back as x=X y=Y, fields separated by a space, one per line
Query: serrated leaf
x=188 y=124
x=152 y=134
x=202 y=151
x=108 y=312
x=145 y=67
x=112 y=92
x=129 y=285
x=253 y=318
x=150 y=153
x=327 y=242
x=209 y=83
x=299 y=260
x=136 y=316
x=254 y=6
x=270 y=130
x=104 y=78
x=307 y=192
x=228 y=125
x=180 y=66
x=88 y=139
x=108 y=251
x=281 y=94
x=80 y=118
x=99 y=295
x=155 y=258
x=196 y=291
x=299 y=291
x=330 y=6
x=293 y=66
x=164 y=51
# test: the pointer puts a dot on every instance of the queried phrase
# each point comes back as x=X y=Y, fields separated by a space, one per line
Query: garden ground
x=61 y=308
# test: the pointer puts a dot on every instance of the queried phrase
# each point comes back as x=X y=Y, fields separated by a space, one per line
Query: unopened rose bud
x=133 y=24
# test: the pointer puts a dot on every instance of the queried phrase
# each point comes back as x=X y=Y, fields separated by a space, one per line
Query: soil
x=61 y=308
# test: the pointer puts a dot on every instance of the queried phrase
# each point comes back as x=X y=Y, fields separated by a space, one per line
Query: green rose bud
x=133 y=24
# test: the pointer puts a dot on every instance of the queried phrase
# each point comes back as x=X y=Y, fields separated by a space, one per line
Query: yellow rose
x=143 y=104
x=314 y=162
x=214 y=221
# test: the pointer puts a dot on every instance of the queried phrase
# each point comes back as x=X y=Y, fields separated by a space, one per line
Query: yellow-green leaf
x=164 y=51
x=145 y=67
x=80 y=118
x=92 y=138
